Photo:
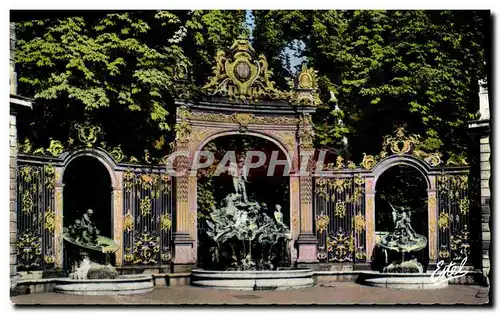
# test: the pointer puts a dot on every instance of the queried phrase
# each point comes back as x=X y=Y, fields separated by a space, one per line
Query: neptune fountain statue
x=244 y=234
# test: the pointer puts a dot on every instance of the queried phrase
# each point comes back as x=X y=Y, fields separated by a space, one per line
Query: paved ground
x=332 y=293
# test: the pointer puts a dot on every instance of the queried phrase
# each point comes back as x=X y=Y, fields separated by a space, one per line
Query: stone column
x=13 y=201
x=193 y=214
x=117 y=217
x=183 y=242
x=307 y=240
x=294 y=214
x=432 y=212
x=370 y=218
x=58 y=211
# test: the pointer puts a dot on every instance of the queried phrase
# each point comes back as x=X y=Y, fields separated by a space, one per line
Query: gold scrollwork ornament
x=56 y=148
x=88 y=133
x=368 y=161
x=128 y=222
x=322 y=222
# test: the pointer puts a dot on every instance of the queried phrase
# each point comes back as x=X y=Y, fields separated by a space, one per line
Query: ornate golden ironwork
x=463 y=205
x=56 y=148
x=165 y=222
x=459 y=244
x=26 y=147
x=27 y=203
x=452 y=185
x=304 y=94
x=146 y=247
x=359 y=223
x=444 y=253
x=166 y=256
x=322 y=222
x=145 y=206
x=340 y=209
x=321 y=188
x=340 y=246
x=29 y=249
x=322 y=253
x=26 y=173
x=49 y=259
x=50 y=178
x=339 y=185
x=128 y=222
x=443 y=220
x=368 y=162
x=128 y=180
x=117 y=153
x=240 y=76
x=88 y=133
x=360 y=253
x=50 y=220
x=400 y=143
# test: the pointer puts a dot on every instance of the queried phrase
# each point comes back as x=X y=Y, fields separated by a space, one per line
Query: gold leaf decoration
x=165 y=222
x=117 y=153
x=322 y=222
x=443 y=220
x=55 y=148
x=128 y=222
x=145 y=206
x=88 y=133
x=340 y=209
x=243 y=119
x=27 y=203
x=359 y=222
x=49 y=259
x=50 y=178
x=50 y=220
x=463 y=205
x=240 y=76
x=368 y=161
x=400 y=143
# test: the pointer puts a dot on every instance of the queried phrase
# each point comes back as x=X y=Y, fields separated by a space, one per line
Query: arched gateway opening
x=87 y=185
x=401 y=186
x=267 y=185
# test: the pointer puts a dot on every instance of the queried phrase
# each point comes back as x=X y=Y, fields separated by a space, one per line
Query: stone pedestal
x=183 y=252
x=307 y=243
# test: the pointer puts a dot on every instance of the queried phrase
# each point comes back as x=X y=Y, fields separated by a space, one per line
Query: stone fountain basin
x=253 y=279
x=409 y=281
x=125 y=284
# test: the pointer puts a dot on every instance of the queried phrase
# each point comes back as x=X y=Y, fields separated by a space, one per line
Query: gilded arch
x=396 y=160
x=99 y=154
x=240 y=98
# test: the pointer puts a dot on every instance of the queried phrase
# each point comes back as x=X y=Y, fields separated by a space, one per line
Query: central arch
x=274 y=140
x=268 y=191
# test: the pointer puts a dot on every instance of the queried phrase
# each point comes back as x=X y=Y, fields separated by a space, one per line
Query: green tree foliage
x=117 y=69
x=385 y=68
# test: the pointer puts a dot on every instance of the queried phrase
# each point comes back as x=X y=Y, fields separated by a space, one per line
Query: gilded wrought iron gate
x=339 y=209
x=35 y=216
x=148 y=206
x=454 y=217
